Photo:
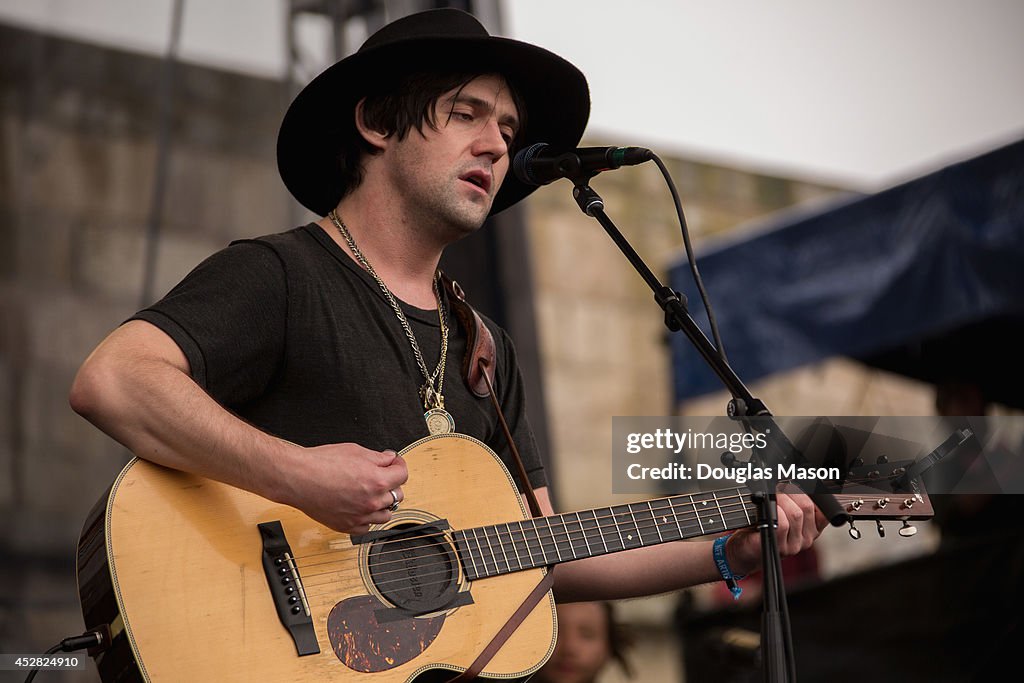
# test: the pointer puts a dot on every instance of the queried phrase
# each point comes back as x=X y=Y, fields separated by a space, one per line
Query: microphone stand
x=776 y=641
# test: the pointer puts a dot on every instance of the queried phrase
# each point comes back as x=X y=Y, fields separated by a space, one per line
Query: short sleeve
x=229 y=317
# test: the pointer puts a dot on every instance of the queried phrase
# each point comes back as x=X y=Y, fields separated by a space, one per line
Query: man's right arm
x=136 y=387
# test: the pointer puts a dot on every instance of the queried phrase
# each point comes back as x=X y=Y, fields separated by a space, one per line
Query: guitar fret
x=636 y=524
x=540 y=543
x=647 y=525
x=696 y=514
x=615 y=521
x=497 y=533
x=597 y=527
x=563 y=521
x=508 y=530
x=573 y=524
x=600 y=530
x=675 y=516
x=526 y=541
x=710 y=521
x=469 y=551
x=741 y=517
x=554 y=541
x=606 y=525
x=501 y=548
x=490 y=549
x=689 y=515
x=483 y=560
x=487 y=556
x=584 y=534
x=568 y=537
x=651 y=508
x=718 y=504
x=667 y=530
x=743 y=504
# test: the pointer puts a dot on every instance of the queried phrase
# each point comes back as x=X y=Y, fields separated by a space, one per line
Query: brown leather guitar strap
x=478 y=367
x=535 y=596
x=479 y=341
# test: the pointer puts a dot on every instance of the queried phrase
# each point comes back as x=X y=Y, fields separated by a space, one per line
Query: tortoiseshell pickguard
x=365 y=646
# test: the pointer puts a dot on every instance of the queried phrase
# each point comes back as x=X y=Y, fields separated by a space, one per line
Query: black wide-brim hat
x=321 y=117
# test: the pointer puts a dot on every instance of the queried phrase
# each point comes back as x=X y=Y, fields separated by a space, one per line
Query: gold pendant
x=439 y=421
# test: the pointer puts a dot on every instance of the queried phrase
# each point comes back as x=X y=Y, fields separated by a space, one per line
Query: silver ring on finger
x=394 y=497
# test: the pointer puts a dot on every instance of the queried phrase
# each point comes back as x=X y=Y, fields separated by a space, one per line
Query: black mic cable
x=538 y=164
x=89 y=639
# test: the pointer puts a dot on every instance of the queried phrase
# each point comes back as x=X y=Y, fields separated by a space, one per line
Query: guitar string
x=557 y=543
x=563 y=526
x=690 y=522
x=672 y=500
x=447 y=572
x=547 y=539
x=672 y=507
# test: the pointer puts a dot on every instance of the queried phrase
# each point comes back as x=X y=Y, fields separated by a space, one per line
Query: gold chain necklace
x=439 y=421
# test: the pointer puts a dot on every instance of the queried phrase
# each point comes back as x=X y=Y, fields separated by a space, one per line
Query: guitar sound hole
x=415 y=571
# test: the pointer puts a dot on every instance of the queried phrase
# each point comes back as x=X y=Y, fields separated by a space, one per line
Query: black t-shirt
x=290 y=334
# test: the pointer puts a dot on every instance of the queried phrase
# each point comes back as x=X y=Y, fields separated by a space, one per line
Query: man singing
x=295 y=365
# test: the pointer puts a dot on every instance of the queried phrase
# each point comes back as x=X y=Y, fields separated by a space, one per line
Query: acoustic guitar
x=194 y=580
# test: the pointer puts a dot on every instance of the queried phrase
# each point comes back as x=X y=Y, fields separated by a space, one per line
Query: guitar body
x=172 y=564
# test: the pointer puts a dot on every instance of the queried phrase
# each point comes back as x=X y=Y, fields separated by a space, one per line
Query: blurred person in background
x=589 y=639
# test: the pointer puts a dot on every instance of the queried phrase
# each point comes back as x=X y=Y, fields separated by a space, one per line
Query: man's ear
x=377 y=139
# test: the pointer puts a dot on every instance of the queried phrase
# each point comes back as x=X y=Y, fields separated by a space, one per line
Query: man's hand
x=799 y=524
x=347 y=487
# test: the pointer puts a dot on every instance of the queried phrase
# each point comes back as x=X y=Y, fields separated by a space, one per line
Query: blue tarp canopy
x=925 y=279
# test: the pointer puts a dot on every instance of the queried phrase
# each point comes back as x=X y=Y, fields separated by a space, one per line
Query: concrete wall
x=77 y=157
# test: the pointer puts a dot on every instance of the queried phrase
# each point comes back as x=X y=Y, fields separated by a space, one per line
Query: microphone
x=538 y=164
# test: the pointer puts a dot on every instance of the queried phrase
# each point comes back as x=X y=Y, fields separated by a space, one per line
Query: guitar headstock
x=883 y=492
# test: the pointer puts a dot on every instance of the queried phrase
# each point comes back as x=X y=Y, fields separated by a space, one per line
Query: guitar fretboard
x=537 y=542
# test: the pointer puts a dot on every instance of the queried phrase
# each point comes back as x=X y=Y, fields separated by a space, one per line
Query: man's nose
x=490 y=140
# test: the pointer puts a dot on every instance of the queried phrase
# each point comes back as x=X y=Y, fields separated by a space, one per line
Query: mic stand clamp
x=668 y=299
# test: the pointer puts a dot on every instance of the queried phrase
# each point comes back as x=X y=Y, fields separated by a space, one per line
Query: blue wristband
x=731 y=580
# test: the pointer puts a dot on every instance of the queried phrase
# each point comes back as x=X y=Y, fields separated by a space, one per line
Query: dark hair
x=400 y=105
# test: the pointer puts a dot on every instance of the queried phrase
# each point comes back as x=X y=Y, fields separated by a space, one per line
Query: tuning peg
x=882 y=459
x=854 y=531
x=857 y=462
x=906 y=531
x=881 y=529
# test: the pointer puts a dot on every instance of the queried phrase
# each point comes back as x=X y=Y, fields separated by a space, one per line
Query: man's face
x=448 y=177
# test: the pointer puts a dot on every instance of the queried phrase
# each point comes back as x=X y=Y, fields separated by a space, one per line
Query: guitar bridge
x=286 y=588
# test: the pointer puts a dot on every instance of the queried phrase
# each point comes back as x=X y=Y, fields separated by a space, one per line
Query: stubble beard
x=450 y=214
x=438 y=202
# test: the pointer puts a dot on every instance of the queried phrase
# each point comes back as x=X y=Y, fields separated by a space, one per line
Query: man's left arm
x=672 y=566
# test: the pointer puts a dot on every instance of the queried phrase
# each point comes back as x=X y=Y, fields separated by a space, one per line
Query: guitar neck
x=541 y=541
